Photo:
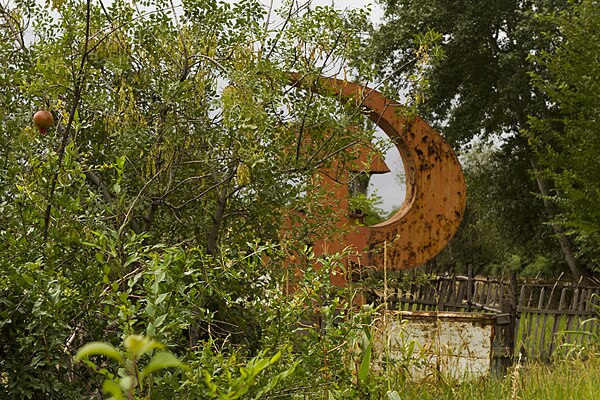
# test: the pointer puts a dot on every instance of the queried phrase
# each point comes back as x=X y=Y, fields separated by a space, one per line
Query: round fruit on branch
x=43 y=120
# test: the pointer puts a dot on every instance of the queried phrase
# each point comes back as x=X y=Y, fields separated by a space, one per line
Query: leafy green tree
x=568 y=144
x=481 y=88
x=491 y=238
x=156 y=203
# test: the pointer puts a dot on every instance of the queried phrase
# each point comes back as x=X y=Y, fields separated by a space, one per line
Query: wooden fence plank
x=544 y=354
x=470 y=287
x=541 y=313
x=488 y=294
x=571 y=318
x=477 y=292
x=558 y=338
x=521 y=319
x=582 y=305
x=440 y=293
x=538 y=331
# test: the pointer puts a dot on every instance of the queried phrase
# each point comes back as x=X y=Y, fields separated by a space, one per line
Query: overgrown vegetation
x=177 y=195
x=568 y=143
x=561 y=380
x=174 y=199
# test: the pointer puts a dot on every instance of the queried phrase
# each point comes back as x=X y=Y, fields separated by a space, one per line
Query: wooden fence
x=534 y=320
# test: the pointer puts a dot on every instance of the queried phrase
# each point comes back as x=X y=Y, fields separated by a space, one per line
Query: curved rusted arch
x=435 y=185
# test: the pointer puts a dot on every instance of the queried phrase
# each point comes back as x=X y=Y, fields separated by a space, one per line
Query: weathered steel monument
x=435 y=186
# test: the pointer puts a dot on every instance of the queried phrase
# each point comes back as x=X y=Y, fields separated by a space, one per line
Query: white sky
x=376 y=11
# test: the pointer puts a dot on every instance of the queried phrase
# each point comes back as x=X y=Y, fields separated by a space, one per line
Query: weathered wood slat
x=441 y=290
x=454 y=295
x=420 y=293
x=542 y=313
x=488 y=294
x=477 y=292
x=556 y=338
x=582 y=306
x=570 y=317
x=544 y=353
x=462 y=296
x=537 y=330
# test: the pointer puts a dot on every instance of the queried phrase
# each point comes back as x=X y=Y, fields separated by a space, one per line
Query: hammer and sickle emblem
x=435 y=199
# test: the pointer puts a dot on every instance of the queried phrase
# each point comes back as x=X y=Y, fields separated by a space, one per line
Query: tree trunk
x=579 y=274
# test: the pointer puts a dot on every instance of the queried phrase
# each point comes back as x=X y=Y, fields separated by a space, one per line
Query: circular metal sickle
x=435 y=185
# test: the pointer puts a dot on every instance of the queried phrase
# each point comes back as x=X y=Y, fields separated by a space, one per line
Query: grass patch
x=563 y=379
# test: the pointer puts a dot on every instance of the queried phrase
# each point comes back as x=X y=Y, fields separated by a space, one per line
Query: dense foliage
x=156 y=205
x=481 y=90
x=503 y=230
x=568 y=145
x=176 y=196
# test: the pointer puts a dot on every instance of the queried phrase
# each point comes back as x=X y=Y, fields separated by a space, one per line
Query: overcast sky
x=376 y=10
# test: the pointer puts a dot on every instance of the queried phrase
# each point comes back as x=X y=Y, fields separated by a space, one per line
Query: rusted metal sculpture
x=435 y=186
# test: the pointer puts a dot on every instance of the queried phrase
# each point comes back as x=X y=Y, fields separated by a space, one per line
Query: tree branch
x=79 y=79
x=95 y=179
x=107 y=196
x=578 y=274
x=18 y=34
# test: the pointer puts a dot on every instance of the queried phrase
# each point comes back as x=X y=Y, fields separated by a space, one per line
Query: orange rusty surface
x=435 y=186
x=368 y=163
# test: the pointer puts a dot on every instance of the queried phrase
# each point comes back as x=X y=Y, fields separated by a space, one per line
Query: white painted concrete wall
x=451 y=345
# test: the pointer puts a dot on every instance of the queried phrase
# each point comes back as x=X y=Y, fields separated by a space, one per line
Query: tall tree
x=481 y=88
x=568 y=145
x=195 y=103
x=503 y=226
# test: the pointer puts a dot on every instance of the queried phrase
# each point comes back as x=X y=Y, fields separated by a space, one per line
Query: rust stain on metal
x=435 y=186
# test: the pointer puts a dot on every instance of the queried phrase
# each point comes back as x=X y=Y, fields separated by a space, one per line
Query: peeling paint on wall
x=450 y=345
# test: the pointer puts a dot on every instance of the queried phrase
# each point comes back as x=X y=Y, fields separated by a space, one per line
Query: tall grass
x=561 y=380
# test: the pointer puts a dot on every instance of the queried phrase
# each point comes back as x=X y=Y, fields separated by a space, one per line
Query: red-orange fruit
x=43 y=120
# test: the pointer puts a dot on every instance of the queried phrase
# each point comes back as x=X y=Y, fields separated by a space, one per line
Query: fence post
x=512 y=331
x=470 y=287
x=506 y=326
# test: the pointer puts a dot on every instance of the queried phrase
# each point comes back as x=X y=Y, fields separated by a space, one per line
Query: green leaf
x=410 y=349
x=139 y=345
x=98 y=349
x=275 y=358
x=161 y=298
x=393 y=395
x=150 y=309
x=106 y=373
x=275 y=380
x=363 y=370
x=160 y=320
x=112 y=388
x=161 y=360
x=127 y=383
x=28 y=279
